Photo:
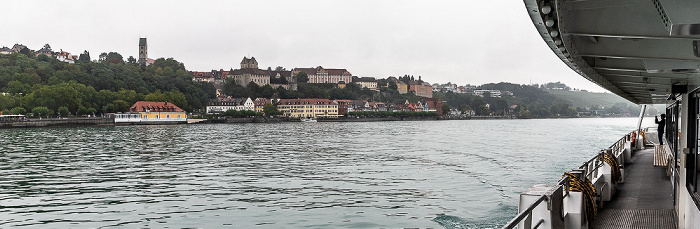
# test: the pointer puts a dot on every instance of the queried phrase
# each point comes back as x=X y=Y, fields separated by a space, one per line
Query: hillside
x=585 y=99
x=28 y=81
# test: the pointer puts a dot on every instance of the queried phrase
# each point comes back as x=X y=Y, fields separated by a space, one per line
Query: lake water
x=423 y=174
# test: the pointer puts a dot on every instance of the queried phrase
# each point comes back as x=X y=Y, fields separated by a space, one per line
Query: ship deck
x=645 y=200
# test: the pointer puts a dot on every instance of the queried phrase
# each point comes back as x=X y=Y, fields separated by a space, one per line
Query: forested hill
x=590 y=99
x=526 y=94
x=87 y=87
x=539 y=101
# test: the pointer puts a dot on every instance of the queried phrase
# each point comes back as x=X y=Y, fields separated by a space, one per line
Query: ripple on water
x=457 y=174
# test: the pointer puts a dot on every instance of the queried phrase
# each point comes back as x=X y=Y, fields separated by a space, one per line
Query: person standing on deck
x=660 y=130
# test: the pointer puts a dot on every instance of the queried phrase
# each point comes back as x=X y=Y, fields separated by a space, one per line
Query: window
x=692 y=161
x=157 y=116
x=167 y=116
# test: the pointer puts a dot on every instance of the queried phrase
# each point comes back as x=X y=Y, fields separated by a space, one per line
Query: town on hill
x=56 y=83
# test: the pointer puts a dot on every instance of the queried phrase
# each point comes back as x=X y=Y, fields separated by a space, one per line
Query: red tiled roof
x=308 y=71
x=261 y=101
x=149 y=106
x=337 y=72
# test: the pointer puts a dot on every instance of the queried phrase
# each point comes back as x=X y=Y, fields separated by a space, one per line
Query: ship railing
x=620 y=149
x=527 y=213
x=595 y=170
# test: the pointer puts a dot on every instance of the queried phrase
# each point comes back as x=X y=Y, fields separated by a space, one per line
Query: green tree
x=16 y=87
x=302 y=77
x=446 y=109
x=109 y=108
x=44 y=58
x=7 y=101
x=121 y=105
x=174 y=96
x=42 y=111
x=84 y=57
x=114 y=57
x=393 y=86
x=91 y=111
x=18 y=111
x=25 y=51
x=83 y=111
x=271 y=110
x=63 y=111
x=131 y=60
x=55 y=96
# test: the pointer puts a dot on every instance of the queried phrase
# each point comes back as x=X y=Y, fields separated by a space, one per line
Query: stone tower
x=249 y=63
x=143 y=52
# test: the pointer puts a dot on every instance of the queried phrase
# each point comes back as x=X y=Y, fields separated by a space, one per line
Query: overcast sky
x=463 y=42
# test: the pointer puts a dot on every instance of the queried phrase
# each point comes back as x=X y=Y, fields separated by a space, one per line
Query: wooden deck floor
x=645 y=200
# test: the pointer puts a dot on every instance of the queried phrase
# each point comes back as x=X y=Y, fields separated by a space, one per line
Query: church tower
x=143 y=52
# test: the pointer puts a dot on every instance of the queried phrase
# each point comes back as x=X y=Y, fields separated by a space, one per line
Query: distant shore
x=100 y=121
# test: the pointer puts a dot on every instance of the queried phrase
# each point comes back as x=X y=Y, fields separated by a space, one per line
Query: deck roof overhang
x=637 y=49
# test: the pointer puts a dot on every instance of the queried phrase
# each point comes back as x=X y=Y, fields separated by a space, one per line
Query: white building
x=493 y=93
x=221 y=105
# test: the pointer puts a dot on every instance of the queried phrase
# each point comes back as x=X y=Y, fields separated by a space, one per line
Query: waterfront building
x=308 y=108
x=344 y=106
x=222 y=104
x=323 y=75
x=260 y=104
x=469 y=113
x=249 y=72
x=152 y=112
x=433 y=105
x=373 y=106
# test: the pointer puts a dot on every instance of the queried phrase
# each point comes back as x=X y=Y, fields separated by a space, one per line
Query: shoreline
x=86 y=122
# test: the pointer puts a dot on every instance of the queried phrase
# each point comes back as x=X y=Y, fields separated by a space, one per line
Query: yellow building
x=308 y=108
x=153 y=112
x=401 y=87
x=260 y=104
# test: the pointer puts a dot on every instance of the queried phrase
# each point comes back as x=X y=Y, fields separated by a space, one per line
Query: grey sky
x=463 y=42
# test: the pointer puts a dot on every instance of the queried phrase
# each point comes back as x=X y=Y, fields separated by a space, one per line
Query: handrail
x=515 y=221
x=617 y=148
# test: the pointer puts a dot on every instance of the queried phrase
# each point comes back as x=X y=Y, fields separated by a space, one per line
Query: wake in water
x=497 y=219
